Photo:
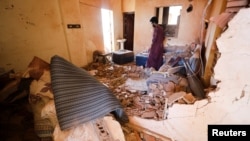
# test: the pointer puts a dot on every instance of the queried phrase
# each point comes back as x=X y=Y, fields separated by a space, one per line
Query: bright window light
x=174 y=12
x=108 y=30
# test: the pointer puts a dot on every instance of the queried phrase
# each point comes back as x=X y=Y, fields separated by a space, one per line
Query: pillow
x=80 y=97
x=41 y=88
x=37 y=68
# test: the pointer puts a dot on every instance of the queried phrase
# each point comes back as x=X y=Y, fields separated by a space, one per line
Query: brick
x=148 y=137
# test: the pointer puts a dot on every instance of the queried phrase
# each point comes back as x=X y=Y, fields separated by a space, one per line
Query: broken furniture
x=104 y=58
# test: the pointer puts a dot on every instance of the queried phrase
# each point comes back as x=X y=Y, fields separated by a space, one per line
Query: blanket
x=79 y=97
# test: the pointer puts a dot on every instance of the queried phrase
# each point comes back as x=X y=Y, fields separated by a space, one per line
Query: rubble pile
x=150 y=104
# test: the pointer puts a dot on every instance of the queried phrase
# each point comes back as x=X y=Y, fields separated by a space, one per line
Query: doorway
x=128 y=30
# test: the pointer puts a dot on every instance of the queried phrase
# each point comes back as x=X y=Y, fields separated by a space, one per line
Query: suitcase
x=141 y=59
x=123 y=56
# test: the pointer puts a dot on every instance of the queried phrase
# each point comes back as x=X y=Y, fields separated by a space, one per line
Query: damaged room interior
x=77 y=70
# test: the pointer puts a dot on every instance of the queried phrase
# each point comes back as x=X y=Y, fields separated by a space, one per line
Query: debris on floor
x=136 y=133
x=148 y=99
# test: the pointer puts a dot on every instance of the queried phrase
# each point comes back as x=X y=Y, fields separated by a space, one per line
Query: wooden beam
x=213 y=32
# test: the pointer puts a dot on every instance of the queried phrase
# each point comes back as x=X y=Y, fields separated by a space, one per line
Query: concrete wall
x=92 y=24
x=128 y=5
x=190 y=23
x=39 y=28
x=70 y=14
x=30 y=28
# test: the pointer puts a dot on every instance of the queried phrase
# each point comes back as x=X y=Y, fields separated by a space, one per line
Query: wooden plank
x=148 y=137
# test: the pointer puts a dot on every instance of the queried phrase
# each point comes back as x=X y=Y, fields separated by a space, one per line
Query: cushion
x=79 y=96
x=37 y=68
x=41 y=89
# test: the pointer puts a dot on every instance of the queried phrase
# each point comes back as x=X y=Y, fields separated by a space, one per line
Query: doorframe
x=129 y=44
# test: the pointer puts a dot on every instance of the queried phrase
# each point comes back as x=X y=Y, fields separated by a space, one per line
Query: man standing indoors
x=155 y=58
